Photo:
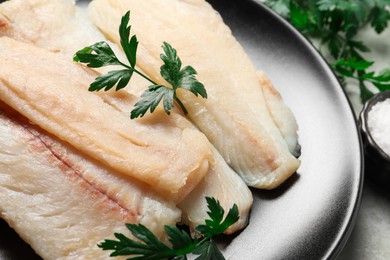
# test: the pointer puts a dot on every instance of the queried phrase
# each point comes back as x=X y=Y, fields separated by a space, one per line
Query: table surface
x=370 y=237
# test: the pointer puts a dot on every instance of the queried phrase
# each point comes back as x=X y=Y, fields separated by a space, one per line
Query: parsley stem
x=138 y=72
x=178 y=101
x=343 y=48
x=180 y=104
x=204 y=239
x=144 y=76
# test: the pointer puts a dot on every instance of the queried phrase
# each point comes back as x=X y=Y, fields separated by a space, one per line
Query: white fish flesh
x=221 y=182
x=63 y=203
x=32 y=21
x=54 y=94
x=281 y=114
x=235 y=116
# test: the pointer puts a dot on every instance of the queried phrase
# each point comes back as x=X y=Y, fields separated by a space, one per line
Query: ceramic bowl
x=376 y=160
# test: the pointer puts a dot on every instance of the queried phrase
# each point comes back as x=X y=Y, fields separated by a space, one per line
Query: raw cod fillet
x=281 y=114
x=223 y=184
x=235 y=116
x=53 y=94
x=63 y=203
x=32 y=21
x=220 y=182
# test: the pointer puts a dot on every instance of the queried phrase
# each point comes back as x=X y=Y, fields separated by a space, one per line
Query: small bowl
x=377 y=162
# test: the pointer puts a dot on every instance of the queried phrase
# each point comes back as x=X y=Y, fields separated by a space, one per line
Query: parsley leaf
x=336 y=23
x=148 y=246
x=178 y=77
x=151 y=98
x=379 y=18
x=100 y=55
x=353 y=64
x=106 y=82
x=208 y=250
x=129 y=45
x=299 y=18
x=331 y=5
x=215 y=226
x=279 y=6
x=97 y=55
x=181 y=241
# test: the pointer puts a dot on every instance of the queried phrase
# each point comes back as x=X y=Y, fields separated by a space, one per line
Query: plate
x=312 y=215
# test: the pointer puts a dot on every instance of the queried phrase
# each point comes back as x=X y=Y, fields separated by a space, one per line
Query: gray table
x=370 y=238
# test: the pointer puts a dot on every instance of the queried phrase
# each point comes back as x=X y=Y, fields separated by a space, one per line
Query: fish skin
x=194 y=206
x=47 y=91
x=63 y=203
x=235 y=116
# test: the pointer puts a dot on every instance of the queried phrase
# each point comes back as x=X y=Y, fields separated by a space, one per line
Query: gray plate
x=312 y=214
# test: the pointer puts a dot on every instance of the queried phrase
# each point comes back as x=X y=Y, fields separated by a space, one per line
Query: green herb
x=150 y=247
x=100 y=55
x=336 y=23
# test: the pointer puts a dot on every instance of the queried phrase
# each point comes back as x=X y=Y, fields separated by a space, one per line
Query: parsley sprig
x=100 y=55
x=336 y=23
x=148 y=246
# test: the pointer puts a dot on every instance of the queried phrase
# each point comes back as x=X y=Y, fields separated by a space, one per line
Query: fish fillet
x=221 y=182
x=235 y=116
x=281 y=114
x=63 y=203
x=53 y=94
x=34 y=27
